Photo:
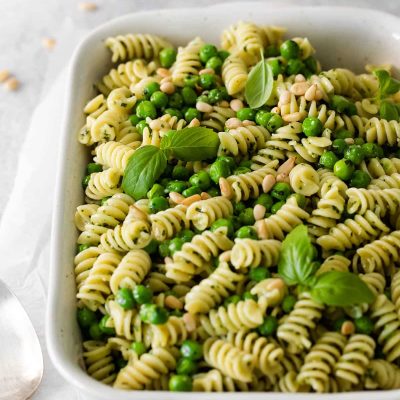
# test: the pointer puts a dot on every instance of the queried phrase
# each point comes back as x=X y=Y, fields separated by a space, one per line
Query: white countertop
x=23 y=25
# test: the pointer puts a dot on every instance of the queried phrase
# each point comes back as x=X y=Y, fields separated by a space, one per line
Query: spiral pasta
x=334 y=263
x=382 y=375
x=385 y=182
x=103 y=184
x=228 y=359
x=304 y=179
x=376 y=167
x=234 y=74
x=113 y=155
x=169 y=334
x=202 y=214
x=99 y=361
x=395 y=291
x=382 y=132
x=217 y=118
x=215 y=381
x=166 y=224
x=84 y=262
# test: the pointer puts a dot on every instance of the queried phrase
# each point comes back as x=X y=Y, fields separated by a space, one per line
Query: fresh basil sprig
x=388 y=111
x=147 y=163
x=387 y=84
x=297 y=266
x=259 y=84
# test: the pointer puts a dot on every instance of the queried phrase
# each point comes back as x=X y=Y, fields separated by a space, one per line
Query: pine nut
x=205 y=196
x=276 y=110
x=176 y=197
x=268 y=182
x=247 y=122
x=192 y=199
x=233 y=123
x=173 y=302
x=283 y=178
x=225 y=256
x=168 y=260
x=299 y=88
x=262 y=230
x=259 y=212
x=163 y=72
x=206 y=71
x=299 y=78
x=203 y=107
x=155 y=124
x=349 y=140
x=347 y=328
x=167 y=88
x=319 y=94
x=275 y=283
x=225 y=187
x=223 y=104
x=236 y=104
x=284 y=98
x=11 y=84
x=293 y=117
x=287 y=166
x=194 y=122
x=87 y=6
x=4 y=75
x=190 y=322
x=310 y=93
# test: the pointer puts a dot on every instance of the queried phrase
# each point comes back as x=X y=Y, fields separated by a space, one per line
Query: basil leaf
x=296 y=260
x=388 y=111
x=144 y=167
x=387 y=84
x=259 y=84
x=192 y=144
x=341 y=289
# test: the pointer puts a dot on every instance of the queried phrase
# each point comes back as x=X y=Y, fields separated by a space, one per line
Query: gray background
x=25 y=22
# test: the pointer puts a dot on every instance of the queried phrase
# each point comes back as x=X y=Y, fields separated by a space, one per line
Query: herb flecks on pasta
x=241 y=227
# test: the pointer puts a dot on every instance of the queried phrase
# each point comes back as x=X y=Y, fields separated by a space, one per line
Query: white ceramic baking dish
x=342 y=36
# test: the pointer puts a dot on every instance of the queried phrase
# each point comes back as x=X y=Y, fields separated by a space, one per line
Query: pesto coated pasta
x=241 y=224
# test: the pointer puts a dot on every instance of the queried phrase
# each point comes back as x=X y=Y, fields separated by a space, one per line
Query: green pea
x=219 y=169
x=277 y=206
x=191 y=191
x=146 y=109
x=151 y=88
x=203 y=99
x=272 y=51
x=274 y=123
x=176 y=186
x=328 y=159
x=239 y=207
x=83 y=247
x=201 y=179
x=224 y=93
x=207 y=81
x=234 y=299
x=372 y=150
x=192 y=350
x=152 y=247
x=157 y=315
x=263 y=117
x=339 y=146
x=249 y=296
x=180 y=172
x=189 y=96
x=214 y=63
x=142 y=294
x=269 y=326
x=359 y=141
x=138 y=347
x=176 y=313
x=159 y=99
x=246 y=232
x=86 y=317
x=235 y=221
x=360 y=179
x=85 y=181
x=134 y=119
x=214 y=96
x=120 y=363
x=337 y=325
x=180 y=383
x=158 y=203
x=156 y=190
x=288 y=303
x=104 y=328
x=191 y=81
x=281 y=191
x=343 y=169
x=141 y=126
x=246 y=217
x=300 y=199
x=246 y=114
x=207 y=51
x=167 y=57
x=343 y=134
x=343 y=105
x=229 y=160
x=192 y=113
x=241 y=170
x=93 y=167
x=354 y=153
x=175 y=245
x=185 y=366
x=294 y=67
x=290 y=49
x=173 y=112
x=214 y=192
x=276 y=66
x=103 y=201
x=265 y=200
x=175 y=100
x=312 y=126
x=95 y=332
x=163 y=249
x=223 y=222
x=312 y=64
x=186 y=235
x=364 y=325
x=258 y=274
x=125 y=298
x=223 y=54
